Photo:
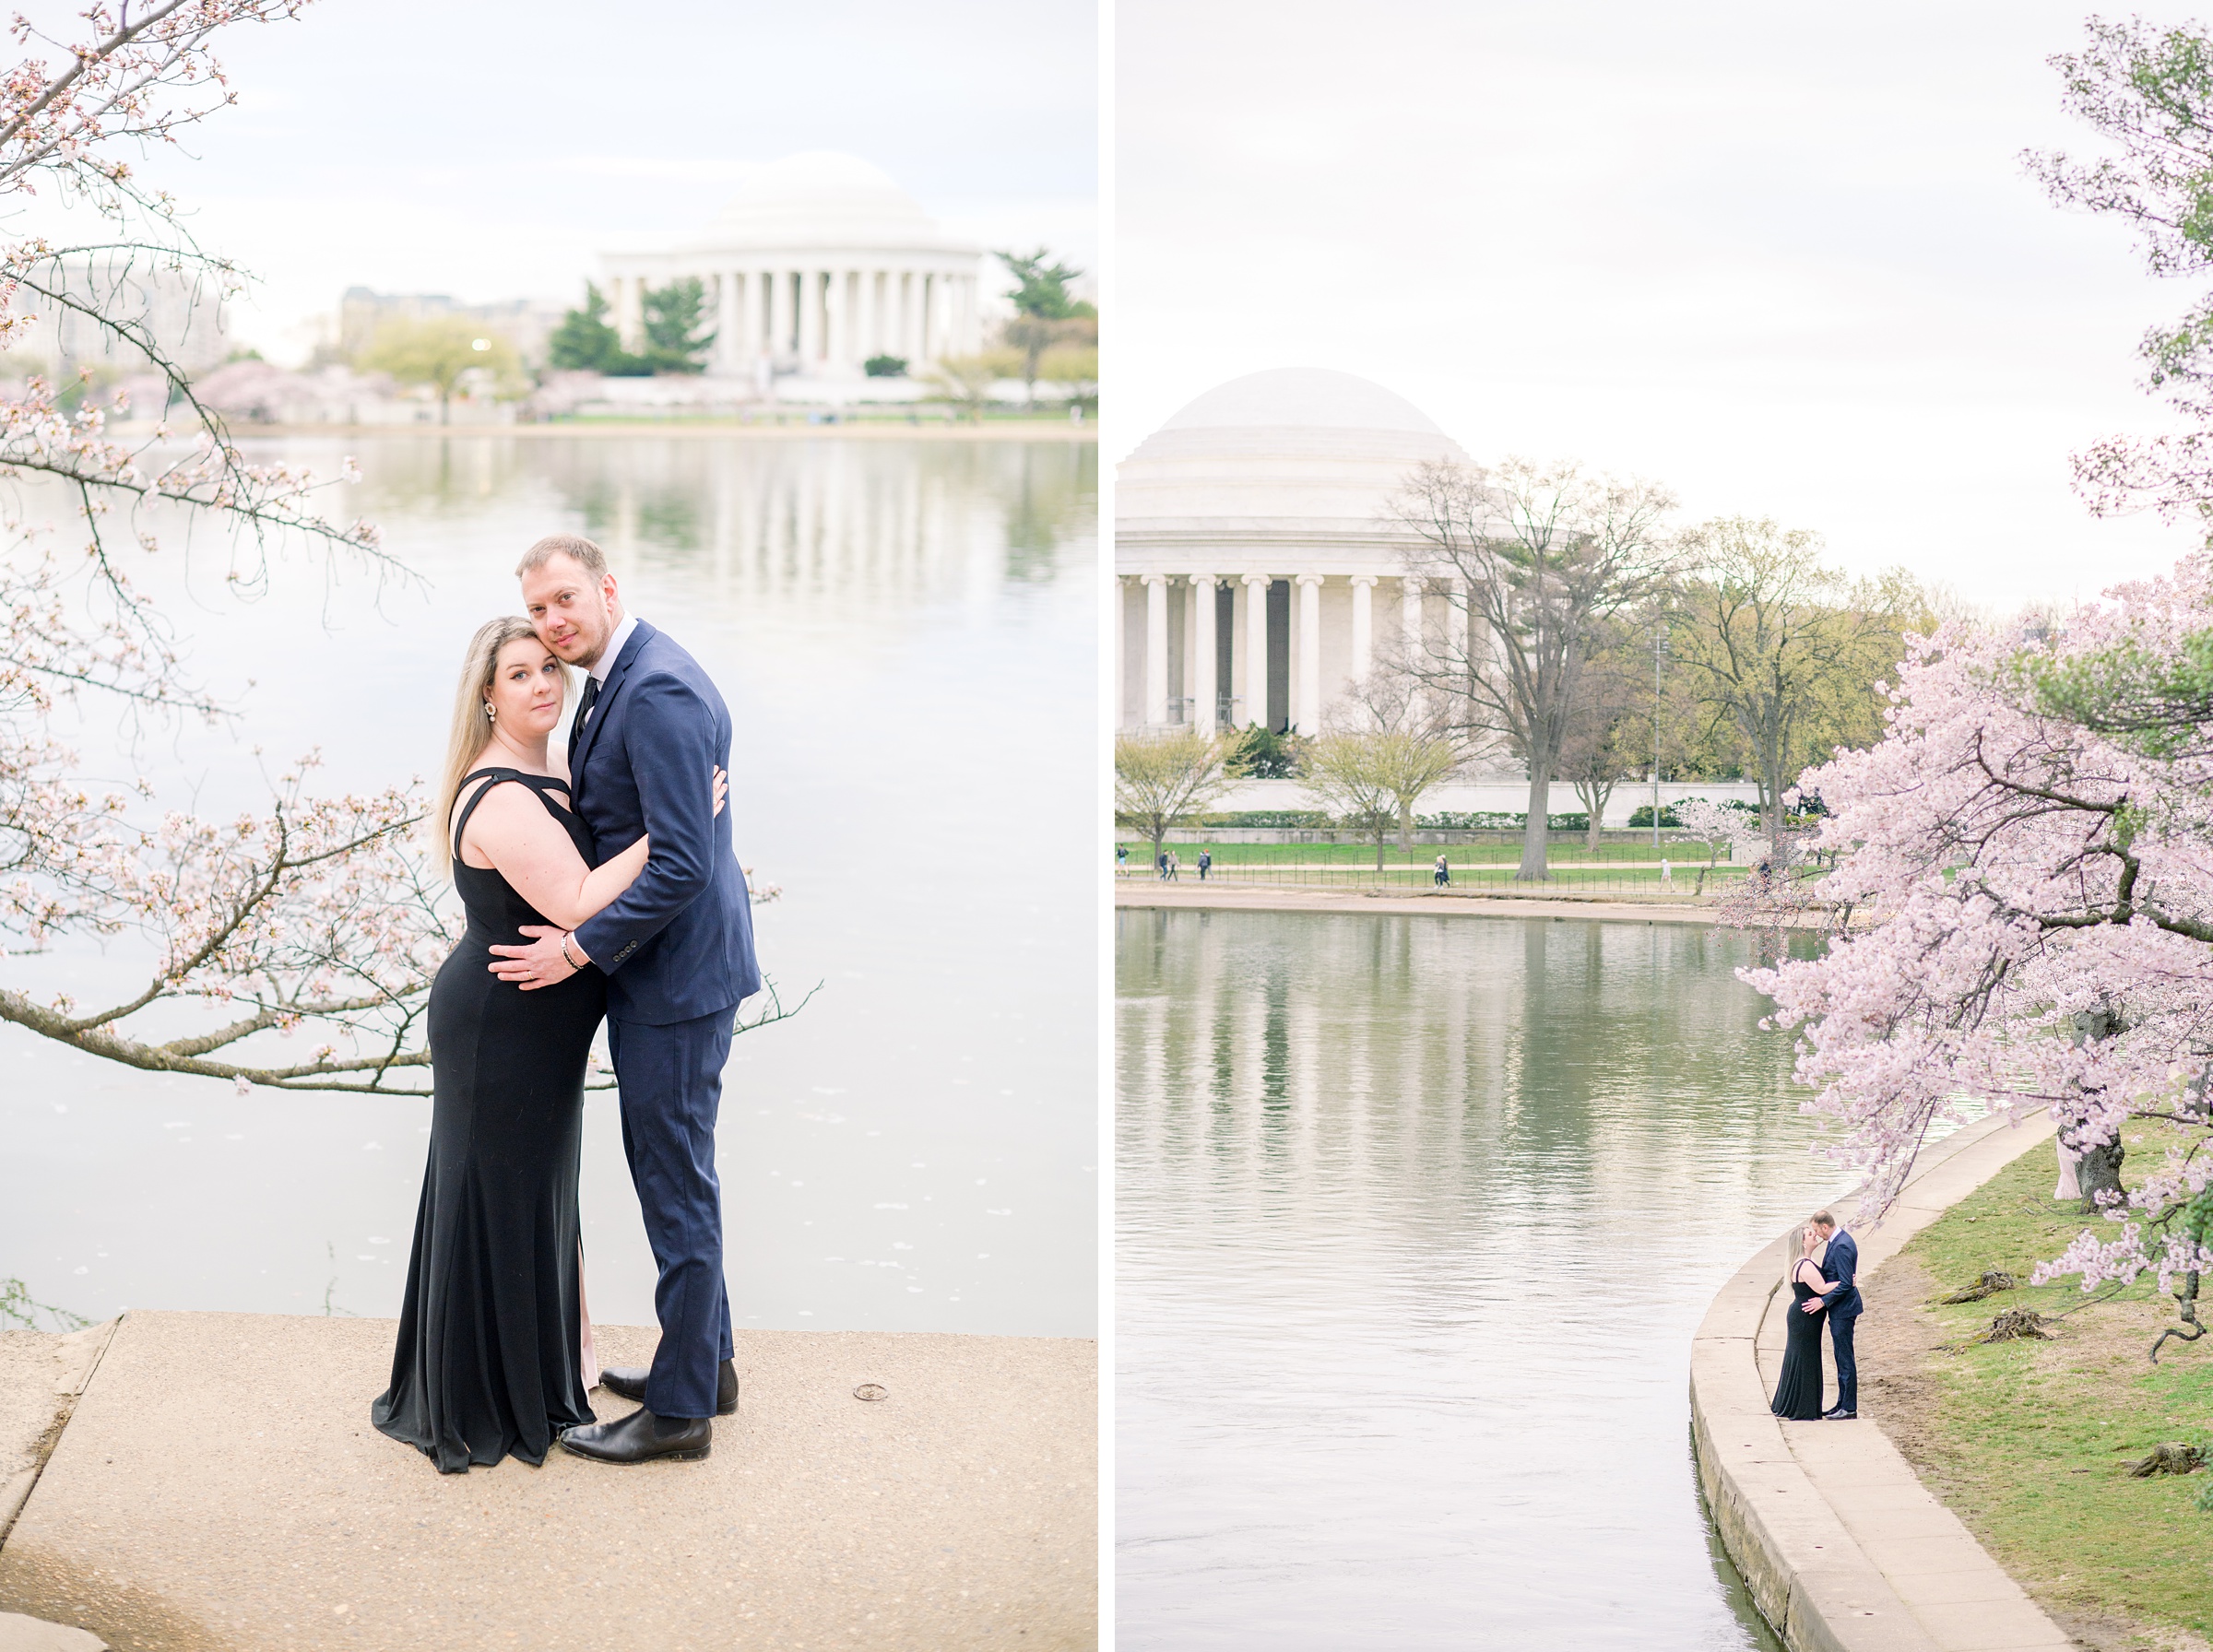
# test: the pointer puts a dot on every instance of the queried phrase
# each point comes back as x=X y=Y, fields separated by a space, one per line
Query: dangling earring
x=490 y=716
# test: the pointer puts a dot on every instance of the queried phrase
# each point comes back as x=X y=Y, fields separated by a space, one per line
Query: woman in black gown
x=494 y=1350
x=1798 y=1391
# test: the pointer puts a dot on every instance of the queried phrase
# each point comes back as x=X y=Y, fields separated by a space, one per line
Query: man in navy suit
x=677 y=948
x=1839 y=1263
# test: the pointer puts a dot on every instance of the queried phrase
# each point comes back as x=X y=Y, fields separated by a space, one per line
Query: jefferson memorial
x=819 y=263
x=1254 y=558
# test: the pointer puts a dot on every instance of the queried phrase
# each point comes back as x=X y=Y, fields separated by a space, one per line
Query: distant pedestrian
x=1206 y=862
x=1440 y=875
x=1121 y=858
x=1667 y=874
x=1162 y=863
x=1175 y=867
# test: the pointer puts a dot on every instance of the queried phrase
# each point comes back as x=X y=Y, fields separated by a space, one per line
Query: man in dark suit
x=1840 y=1262
x=676 y=947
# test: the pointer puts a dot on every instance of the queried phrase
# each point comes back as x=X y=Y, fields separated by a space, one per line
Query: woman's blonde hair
x=471 y=728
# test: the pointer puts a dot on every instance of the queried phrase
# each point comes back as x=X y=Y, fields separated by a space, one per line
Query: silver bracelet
x=571 y=962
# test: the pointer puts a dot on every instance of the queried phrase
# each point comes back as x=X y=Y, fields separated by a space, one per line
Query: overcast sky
x=487 y=149
x=1784 y=258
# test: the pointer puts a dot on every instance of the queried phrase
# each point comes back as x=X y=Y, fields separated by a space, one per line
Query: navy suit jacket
x=1840 y=1262
x=677 y=943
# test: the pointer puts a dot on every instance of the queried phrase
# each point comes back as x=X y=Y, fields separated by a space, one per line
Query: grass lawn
x=2029 y=1441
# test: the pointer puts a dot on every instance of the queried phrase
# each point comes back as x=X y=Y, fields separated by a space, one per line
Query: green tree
x=1787 y=649
x=677 y=340
x=966 y=381
x=585 y=342
x=1608 y=734
x=1045 y=312
x=440 y=350
x=1371 y=780
x=1164 y=780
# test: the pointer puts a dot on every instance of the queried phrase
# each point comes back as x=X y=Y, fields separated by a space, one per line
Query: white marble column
x=1156 y=649
x=1201 y=653
x=1456 y=627
x=1121 y=645
x=910 y=317
x=811 y=320
x=779 y=312
x=839 y=352
x=1256 y=648
x=1308 y=702
x=1410 y=620
x=1363 y=625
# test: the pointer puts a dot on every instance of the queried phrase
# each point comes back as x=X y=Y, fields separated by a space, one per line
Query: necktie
x=583 y=710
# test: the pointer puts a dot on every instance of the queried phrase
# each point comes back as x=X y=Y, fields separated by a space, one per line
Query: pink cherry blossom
x=2022 y=919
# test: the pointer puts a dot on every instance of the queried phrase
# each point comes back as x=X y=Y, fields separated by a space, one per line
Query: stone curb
x=1842 y=1547
x=77 y=1356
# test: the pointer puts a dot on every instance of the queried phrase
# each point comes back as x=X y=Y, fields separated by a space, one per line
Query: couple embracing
x=1823 y=1290
x=600 y=883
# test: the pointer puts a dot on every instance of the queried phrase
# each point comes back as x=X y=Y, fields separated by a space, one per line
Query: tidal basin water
x=905 y=632
x=1415 y=1220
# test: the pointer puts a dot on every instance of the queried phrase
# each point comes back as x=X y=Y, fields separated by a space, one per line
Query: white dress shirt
x=610 y=654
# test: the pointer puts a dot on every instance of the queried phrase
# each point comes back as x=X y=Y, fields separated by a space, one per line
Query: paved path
x=1138 y=893
x=1840 y=1544
x=218 y=1487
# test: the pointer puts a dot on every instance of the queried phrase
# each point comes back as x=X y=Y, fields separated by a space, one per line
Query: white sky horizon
x=1787 y=263
x=489 y=151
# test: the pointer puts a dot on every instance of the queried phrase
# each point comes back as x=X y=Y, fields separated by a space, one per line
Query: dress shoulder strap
x=539 y=783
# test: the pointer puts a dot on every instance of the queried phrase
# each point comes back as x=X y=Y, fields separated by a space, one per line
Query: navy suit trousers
x=670 y=1079
x=1848 y=1367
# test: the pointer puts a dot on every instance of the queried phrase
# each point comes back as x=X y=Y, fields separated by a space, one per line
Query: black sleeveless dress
x=490 y=1355
x=1798 y=1392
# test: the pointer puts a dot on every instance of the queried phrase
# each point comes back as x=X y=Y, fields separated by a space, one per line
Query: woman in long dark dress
x=494 y=1351
x=1798 y=1391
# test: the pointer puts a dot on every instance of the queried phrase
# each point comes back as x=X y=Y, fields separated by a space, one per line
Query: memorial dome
x=1299 y=451
x=820 y=198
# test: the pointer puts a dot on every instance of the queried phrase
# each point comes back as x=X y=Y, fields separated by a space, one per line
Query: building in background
x=180 y=310
x=1254 y=553
x=819 y=262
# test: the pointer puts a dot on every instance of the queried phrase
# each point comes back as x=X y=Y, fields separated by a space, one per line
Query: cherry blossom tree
x=2031 y=861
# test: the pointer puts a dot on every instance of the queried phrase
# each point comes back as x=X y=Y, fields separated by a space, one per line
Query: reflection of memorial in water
x=851 y=530
x=1440 y=1047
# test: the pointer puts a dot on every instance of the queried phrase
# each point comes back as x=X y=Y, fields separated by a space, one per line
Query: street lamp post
x=1659 y=654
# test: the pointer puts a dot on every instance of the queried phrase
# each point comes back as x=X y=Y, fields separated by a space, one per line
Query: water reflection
x=1415 y=1220
x=887 y=619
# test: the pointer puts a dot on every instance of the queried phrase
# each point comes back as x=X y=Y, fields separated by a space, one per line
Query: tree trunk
x=2099 y=1169
x=1380 y=836
x=1405 y=827
x=1595 y=798
x=1533 y=828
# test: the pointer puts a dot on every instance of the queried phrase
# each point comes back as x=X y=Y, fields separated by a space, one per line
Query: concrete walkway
x=1150 y=892
x=218 y=1487
x=1841 y=1545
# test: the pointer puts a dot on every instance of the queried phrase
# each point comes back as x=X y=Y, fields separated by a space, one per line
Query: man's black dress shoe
x=1840 y=1415
x=630 y=1382
x=642 y=1438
